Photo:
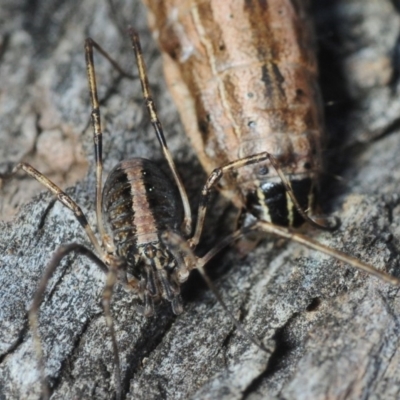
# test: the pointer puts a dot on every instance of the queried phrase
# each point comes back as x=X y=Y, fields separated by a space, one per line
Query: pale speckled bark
x=333 y=332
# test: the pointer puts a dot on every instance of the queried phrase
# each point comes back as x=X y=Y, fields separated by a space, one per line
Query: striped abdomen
x=243 y=75
x=139 y=204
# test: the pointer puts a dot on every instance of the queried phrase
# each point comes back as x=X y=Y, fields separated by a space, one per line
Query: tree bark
x=331 y=331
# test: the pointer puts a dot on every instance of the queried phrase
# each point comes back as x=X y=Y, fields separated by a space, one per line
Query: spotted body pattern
x=243 y=75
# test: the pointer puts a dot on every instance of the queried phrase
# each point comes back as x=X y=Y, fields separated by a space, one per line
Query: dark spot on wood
x=314 y=305
x=300 y=93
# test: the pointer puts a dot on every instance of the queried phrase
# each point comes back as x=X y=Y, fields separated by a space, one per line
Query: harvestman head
x=145 y=225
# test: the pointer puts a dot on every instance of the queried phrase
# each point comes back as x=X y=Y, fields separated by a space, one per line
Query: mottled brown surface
x=244 y=78
x=333 y=332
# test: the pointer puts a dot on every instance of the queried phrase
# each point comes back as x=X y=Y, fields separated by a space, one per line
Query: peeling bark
x=332 y=332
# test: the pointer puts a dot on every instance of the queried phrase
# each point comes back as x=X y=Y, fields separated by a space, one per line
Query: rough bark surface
x=332 y=332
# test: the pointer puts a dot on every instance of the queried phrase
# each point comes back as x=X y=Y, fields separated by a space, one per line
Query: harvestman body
x=145 y=226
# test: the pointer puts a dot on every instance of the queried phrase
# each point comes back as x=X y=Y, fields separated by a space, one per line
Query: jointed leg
x=97 y=132
x=218 y=173
x=107 y=294
x=33 y=311
x=90 y=44
x=187 y=222
x=314 y=245
x=176 y=244
x=64 y=199
x=289 y=190
x=212 y=180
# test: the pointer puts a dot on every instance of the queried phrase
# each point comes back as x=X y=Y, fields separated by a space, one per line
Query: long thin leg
x=187 y=222
x=218 y=173
x=90 y=44
x=314 y=245
x=177 y=244
x=61 y=252
x=286 y=233
x=64 y=199
x=107 y=294
x=106 y=240
x=97 y=135
x=212 y=180
x=289 y=190
x=93 y=44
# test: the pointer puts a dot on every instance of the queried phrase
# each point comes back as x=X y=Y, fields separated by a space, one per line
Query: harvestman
x=151 y=253
x=144 y=241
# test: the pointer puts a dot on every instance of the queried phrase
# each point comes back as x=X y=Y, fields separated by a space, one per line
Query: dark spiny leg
x=212 y=180
x=289 y=190
x=64 y=199
x=97 y=130
x=176 y=243
x=187 y=222
x=107 y=294
x=90 y=43
x=33 y=311
x=97 y=138
x=186 y=262
x=218 y=173
x=226 y=241
x=314 y=245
